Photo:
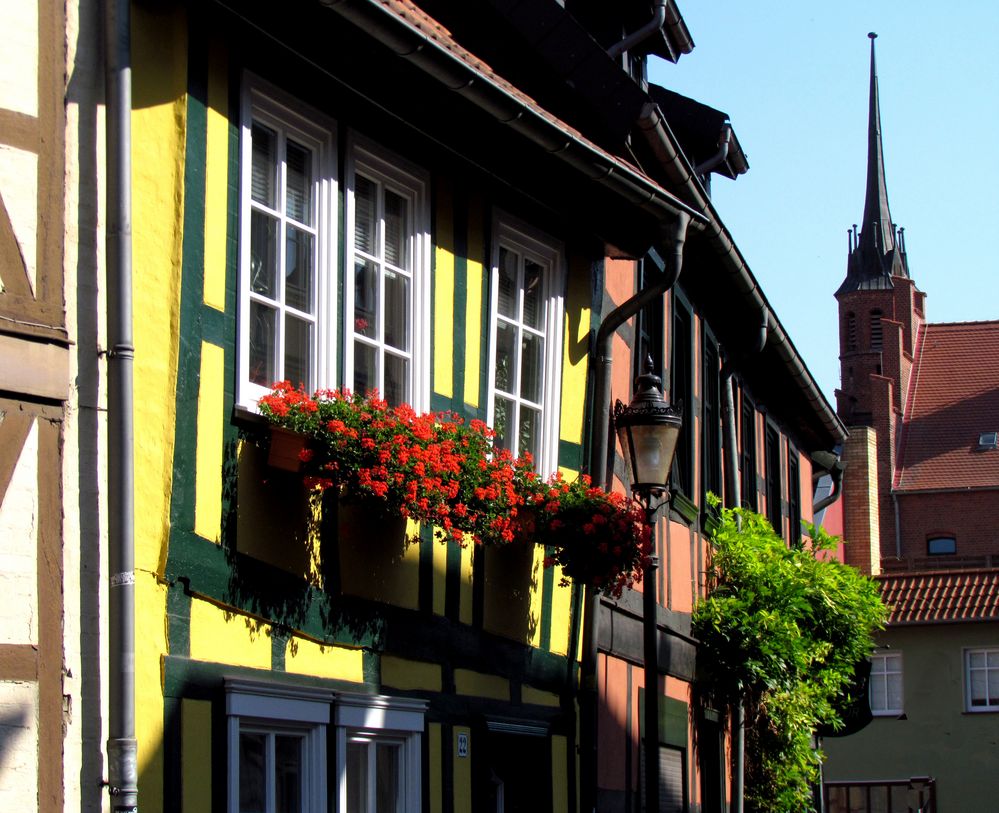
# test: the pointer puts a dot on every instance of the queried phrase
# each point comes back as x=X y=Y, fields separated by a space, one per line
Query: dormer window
x=988 y=441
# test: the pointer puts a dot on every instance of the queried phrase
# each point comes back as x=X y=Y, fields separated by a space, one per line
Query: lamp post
x=649 y=429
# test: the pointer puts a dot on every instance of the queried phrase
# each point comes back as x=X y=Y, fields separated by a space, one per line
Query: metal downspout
x=643 y=33
x=719 y=157
x=600 y=430
x=122 y=747
x=836 y=473
x=655 y=130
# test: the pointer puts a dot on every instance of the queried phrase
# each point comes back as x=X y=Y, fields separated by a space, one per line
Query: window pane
x=263 y=345
x=534 y=314
x=299 y=183
x=357 y=778
x=299 y=270
x=387 y=796
x=365 y=369
x=877 y=692
x=365 y=298
x=263 y=166
x=395 y=229
x=978 y=685
x=396 y=310
x=506 y=337
x=396 y=384
x=977 y=659
x=288 y=770
x=529 y=436
x=298 y=352
x=992 y=658
x=365 y=198
x=252 y=764
x=507 y=304
x=895 y=691
x=263 y=254
x=532 y=374
x=503 y=423
x=993 y=686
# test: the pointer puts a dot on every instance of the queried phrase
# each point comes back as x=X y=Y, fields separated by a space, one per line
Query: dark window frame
x=748 y=454
x=773 y=470
x=711 y=438
x=681 y=348
x=793 y=495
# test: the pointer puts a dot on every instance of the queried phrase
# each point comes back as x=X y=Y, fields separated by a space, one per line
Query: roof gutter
x=651 y=27
x=656 y=132
x=409 y=42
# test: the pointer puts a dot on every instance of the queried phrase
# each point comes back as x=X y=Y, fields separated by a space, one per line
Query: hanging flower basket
x=288 y=449
x=598 y=538
x=439 y=470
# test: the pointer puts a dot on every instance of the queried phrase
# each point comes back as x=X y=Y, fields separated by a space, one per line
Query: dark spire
x=876 y=257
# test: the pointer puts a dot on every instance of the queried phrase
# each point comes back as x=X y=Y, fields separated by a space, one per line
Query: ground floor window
x=378 y=753
x=277 y=747
x=981 y=668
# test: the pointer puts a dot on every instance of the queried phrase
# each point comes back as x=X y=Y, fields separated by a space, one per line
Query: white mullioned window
x=886 y=684
x=287 y=242
x=981 y=670
x=386 y=297
x=379 y=754
x=525 y=337
x=276 y=747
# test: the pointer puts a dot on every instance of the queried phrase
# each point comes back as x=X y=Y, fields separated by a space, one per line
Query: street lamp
x=649 y=429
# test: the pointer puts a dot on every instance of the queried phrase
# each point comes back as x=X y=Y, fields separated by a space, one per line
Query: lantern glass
x=649 y=449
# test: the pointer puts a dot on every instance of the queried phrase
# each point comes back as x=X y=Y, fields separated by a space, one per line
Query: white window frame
x=510 y=233
x=888 y=665
x=272 y=107
x=276 y=708
x=412 y=183
x=392 y=719
x=986 y=650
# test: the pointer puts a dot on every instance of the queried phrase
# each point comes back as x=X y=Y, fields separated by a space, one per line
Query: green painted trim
x=672 y=720
x=485 y=313
x=202 y=680
x=684 y=507
x=547 y=595
x=438 y=403
x=279 y=646
x=371 y=668
x=179 y=619
x=182 y=502
x=570 y=455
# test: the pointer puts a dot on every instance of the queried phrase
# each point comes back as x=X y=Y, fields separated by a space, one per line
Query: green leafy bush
x=782 y=630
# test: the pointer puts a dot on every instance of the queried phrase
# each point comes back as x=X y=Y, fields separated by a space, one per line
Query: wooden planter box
x=286 y=448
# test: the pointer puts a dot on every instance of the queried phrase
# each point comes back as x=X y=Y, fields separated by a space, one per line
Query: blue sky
x=795 y=83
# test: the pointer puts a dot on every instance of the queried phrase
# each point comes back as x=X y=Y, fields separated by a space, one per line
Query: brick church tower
x=880 y=314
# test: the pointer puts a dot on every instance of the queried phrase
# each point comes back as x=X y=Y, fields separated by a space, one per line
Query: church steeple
x=877 y=254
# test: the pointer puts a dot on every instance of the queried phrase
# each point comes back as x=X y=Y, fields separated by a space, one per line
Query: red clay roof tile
x=941 y=596
x=954 y=399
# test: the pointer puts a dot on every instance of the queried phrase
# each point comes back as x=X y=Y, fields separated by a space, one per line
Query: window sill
x=683 y=509
x=247 y=420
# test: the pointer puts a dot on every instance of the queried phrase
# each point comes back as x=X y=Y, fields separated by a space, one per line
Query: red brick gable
x=941 y=596
x=954 y=398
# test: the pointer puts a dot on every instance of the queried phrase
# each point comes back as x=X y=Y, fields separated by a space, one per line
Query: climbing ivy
x=782 y=631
